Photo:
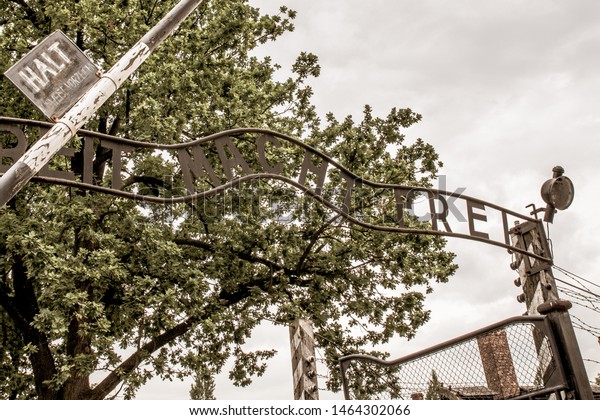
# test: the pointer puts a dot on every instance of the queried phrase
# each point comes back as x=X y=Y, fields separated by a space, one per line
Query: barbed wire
x=578 y=288
x=581 y=298
x=584 y=326
x=577 y=278
x=581 y=304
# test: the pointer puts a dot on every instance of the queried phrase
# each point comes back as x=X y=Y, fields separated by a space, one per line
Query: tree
x=204 y=385
x=94 y=286
x=434 y=386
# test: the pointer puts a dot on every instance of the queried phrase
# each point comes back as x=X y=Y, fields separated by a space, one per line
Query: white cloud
x=508 y=89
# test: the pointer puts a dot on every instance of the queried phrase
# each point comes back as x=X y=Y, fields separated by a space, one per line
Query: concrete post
x=540 y=295
x=304 y=369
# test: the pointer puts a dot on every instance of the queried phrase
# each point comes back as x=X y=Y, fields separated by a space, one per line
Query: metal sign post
x=65 y=128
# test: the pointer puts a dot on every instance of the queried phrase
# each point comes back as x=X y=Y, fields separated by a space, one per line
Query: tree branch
x=26 y=308
x=243 y=255
x=109 y=383
x=151 y=181
x=225 y=298
x=29 y=12
x=113 y=379
x=313 y=240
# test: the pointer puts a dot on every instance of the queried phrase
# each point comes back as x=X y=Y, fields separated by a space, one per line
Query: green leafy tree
x=434 y=386
x=99 y=294
x=204 y=385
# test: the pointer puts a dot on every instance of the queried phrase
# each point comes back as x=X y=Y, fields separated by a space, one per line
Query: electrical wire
x=582 y=286
x=581 y=295
x=573 y=293
x=581 y=302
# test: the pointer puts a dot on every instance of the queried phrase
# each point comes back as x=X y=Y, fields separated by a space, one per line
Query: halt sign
x=54 y=75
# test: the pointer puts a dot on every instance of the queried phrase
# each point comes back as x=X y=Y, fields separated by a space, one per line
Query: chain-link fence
x=513 y=359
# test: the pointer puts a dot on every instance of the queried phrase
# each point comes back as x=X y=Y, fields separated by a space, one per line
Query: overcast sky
x=507 y=89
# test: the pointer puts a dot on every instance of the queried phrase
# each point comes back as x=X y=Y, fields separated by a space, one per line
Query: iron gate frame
x=556 y=382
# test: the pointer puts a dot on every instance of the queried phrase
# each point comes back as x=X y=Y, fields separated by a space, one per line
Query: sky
x=507 y=90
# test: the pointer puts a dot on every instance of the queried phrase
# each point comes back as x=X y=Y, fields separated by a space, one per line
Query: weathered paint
x=304 y=369
x=53 y=75
x=539 y=290
x=41 y=152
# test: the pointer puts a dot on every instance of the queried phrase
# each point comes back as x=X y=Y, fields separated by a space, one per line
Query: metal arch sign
x=417 y=210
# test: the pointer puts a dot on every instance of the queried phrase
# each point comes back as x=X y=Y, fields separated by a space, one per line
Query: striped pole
x=41 y=152
x=304 y=368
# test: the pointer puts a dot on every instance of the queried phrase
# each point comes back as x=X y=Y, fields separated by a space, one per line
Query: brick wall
x=498 y=365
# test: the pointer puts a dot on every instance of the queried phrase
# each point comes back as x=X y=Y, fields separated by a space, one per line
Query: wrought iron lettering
x=320 y=171
x=472 y=216
x=193 y=166
x=243 y=155
x=261 y=144
x=229 y=163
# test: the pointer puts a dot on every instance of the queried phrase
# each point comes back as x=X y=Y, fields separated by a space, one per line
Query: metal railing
x=517 y=358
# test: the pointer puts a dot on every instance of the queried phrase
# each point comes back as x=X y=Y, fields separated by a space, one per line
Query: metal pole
x=41 y=152
x=540 y=295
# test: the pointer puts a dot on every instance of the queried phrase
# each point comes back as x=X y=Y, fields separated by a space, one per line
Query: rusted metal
x=40 y=154
x=235 y=168
x=556 y=305
x=457 y=370
x=541 y=297
x=557 y=192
